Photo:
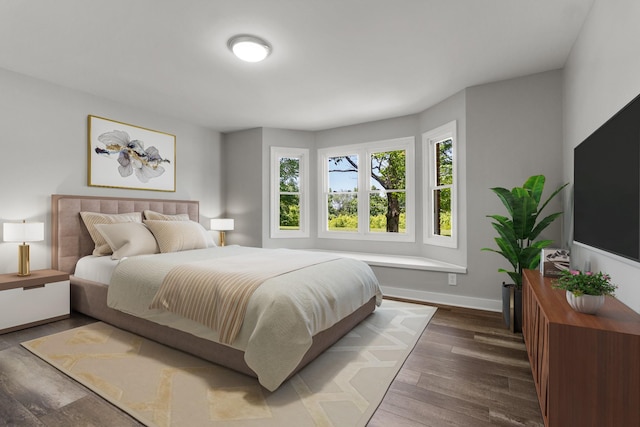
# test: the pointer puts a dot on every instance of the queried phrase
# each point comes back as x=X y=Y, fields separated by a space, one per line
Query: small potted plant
x=585 y=290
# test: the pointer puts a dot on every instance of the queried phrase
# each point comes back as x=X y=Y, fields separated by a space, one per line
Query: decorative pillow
x=159 y=216
x=128 y=239
x=91 y=219
x=208 y=235
x=176 y=236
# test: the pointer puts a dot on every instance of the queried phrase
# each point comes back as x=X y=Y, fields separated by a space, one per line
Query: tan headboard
x=70 y=239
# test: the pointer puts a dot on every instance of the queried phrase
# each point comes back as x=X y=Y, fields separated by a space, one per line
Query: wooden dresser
x=586 y=367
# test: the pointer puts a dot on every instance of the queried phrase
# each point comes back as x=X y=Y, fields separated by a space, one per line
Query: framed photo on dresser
x=553 y=261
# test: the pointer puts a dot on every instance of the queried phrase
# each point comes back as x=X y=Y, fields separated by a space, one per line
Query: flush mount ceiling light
x=249 y=48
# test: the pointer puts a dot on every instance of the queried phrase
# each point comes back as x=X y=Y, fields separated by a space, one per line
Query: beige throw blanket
x=216 y=292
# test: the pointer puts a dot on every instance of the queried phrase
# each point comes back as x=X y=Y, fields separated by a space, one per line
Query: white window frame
x=278 y=153
x=429 y=158
x=364 y=152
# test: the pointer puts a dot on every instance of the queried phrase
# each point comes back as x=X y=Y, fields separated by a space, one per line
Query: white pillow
x=175 y=236
x=128 y=239
x=91 y=219
x=152 y=215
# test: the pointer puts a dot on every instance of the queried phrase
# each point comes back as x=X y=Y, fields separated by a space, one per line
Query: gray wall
x=514 y=130
x=601 y=76
x=242 y=177
x=44 y=151
x=507 y=131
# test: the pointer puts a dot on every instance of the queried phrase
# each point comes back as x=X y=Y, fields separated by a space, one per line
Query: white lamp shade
x=222 y=224
x=23 y=231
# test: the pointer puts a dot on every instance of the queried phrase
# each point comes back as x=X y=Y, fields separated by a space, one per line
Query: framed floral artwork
x=127 y=156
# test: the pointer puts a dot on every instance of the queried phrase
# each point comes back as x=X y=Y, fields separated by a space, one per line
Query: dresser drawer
x=23 y=306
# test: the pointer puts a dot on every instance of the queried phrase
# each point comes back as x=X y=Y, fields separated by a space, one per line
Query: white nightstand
x=33 y=300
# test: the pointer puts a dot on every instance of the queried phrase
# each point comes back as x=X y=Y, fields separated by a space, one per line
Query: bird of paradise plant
x=518 y=231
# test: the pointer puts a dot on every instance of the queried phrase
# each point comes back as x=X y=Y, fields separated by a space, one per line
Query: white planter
x=588 y=304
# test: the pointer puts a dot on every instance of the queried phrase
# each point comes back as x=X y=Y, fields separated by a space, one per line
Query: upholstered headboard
x=70 y=239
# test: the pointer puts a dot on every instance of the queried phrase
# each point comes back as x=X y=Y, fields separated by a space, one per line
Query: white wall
x=601 y=76
x=44 y=152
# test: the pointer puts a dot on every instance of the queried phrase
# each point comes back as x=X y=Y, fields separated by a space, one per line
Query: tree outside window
x=388 y=198
x=366 y=190
x=342 y=200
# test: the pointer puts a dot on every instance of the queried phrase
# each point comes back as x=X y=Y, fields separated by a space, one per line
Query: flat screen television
x=607 y=185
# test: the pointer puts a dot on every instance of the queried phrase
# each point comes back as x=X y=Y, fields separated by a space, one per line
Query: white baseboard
x=447 y=299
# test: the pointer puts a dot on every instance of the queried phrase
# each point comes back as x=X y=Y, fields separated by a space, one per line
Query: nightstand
x=27 y=301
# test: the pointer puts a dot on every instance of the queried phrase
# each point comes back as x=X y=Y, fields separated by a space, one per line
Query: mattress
x=96 y=268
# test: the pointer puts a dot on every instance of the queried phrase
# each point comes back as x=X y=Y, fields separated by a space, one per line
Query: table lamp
x=221 y=225
x=23 y=232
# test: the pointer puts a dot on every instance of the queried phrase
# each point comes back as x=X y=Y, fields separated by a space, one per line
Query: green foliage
x=518 y=231
x=289 y=174
x=389 y=169
x=445 y=223
x=379 y=222
x=344 y=223
x=445 y=162
x=289 y=203
x=442 y=195
x=587 y=283
x=377 y=205
x=289 y=211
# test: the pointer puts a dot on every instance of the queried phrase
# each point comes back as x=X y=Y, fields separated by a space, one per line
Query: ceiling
x=334 y=62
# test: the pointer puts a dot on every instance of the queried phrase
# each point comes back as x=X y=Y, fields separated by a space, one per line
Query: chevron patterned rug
x=160 y=386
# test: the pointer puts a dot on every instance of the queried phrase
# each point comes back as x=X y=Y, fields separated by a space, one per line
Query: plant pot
x=588 y=304
x=512 y=307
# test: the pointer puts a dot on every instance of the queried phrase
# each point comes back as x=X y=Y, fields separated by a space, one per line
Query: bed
x=72 y=242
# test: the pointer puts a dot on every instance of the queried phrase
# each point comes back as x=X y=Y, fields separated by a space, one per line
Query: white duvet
x=282 y=316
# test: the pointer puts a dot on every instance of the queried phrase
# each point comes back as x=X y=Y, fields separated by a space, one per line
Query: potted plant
x=585 y=291
x=517 y=234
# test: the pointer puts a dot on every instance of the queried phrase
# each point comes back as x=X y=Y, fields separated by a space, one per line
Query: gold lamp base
x=23 y=260
x=222 y=238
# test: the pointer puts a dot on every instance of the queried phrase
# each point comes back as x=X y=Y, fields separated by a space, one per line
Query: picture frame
x=553 y=261
x=122 y=155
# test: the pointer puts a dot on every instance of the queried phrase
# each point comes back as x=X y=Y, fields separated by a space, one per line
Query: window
x=439 y=151
x=367 y=191
x=289 y=192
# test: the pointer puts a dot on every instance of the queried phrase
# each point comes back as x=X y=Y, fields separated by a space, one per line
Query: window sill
x=400 y=261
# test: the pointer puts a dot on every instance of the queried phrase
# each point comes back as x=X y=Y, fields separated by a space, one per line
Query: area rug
x=161 y=386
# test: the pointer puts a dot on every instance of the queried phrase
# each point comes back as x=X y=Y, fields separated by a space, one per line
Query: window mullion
x=363 y=190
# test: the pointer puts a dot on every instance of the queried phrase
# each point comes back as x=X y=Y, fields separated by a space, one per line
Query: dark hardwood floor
x=466 y=370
